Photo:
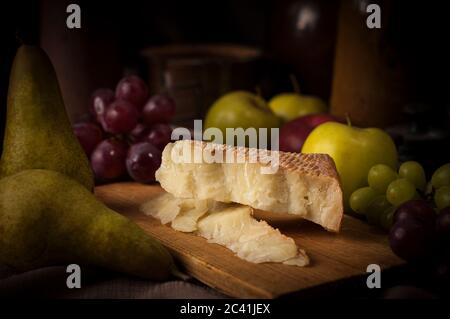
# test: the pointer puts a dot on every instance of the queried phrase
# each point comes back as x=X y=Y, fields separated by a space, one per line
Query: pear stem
x=180 y=275
x=294 y=83
x=349 y=121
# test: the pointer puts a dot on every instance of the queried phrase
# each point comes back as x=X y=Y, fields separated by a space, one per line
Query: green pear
x=38 y=133
x=47 y=218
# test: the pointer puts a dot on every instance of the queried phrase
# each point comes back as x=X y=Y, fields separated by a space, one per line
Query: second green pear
x=47 y=219
x=38 y=133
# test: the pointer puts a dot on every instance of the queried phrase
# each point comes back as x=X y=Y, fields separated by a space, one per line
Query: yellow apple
x=241 y=109
x=354 y=151
x=290 y=106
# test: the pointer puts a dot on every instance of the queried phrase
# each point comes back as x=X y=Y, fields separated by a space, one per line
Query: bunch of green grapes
x=388 y=189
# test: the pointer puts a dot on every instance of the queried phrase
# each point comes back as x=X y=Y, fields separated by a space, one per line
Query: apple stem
x=294 y=82
x=349 y=121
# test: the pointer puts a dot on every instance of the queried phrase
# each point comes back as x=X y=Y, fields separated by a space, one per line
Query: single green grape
x=387 y=218
x=400 y=191
x=441 y=176
x=376 y=208
x=380 y=176
x=442 y=197
x=415 y=173
x=361 y=198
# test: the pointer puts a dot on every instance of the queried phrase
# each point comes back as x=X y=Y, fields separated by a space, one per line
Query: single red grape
x=159 y=109
x=108 y=159
x=100 y=99
x=89 y=135
x=132 y=89
x=138 y=133
x=143 y=160
x=409 y=240
x=159 y=135
x=120 y=117
x=416 y=210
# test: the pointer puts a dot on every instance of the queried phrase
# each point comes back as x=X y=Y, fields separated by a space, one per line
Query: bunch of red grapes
x=128 y=132
x=420 y=235
x=418 y=231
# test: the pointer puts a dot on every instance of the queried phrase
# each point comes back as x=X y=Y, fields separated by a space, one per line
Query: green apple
x=290 y=106
x=240 y=109
x=354 y=151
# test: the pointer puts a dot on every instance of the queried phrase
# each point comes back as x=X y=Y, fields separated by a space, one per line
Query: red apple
x=294 y=133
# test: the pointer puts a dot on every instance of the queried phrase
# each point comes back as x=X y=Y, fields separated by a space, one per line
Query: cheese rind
x=306 y=185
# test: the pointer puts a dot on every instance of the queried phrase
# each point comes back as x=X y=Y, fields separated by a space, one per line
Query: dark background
x=113 y=33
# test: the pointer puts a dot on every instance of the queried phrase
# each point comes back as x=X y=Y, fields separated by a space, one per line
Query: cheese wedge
x=306 y=185
x=229 y=225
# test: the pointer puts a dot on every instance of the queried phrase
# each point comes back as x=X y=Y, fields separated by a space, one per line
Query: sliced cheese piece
x=183 y=214
x=227 y=224
x=305 y=185
x=164 y=207
x=251 y=240
x=186 y=221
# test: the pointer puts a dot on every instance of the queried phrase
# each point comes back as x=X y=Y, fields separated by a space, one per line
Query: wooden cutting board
x=333 y=256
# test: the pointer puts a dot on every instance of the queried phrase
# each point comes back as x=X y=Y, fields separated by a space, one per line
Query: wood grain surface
x=333 y=256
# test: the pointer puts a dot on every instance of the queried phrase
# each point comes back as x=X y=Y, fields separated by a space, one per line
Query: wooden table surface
x=333 y=256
